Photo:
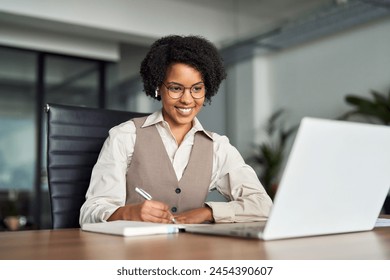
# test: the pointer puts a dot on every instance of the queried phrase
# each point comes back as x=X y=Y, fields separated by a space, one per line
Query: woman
x=169 y=154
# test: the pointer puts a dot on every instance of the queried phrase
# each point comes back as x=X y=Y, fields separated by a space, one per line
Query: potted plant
x=270 y=155
x=12 y=219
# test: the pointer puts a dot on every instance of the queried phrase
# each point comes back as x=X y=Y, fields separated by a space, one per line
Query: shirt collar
x=157 y=118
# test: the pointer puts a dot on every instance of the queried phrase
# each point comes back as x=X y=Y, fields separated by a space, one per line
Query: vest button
x=178 y=190
x=174 y=209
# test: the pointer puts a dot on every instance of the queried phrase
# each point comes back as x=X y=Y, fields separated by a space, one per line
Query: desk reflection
x=350 y=246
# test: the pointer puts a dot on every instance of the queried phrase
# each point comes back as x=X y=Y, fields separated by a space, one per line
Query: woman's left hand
x=195 y=216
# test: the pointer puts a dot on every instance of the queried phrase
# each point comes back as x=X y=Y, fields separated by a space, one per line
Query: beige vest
x=152 y=170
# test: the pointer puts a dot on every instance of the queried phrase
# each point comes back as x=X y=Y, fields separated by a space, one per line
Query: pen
x=147 y=196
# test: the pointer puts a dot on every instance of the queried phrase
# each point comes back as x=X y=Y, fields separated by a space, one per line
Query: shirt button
x=174 y=209
x=178 y=190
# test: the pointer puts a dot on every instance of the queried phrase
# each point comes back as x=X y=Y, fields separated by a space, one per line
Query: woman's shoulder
x=222 y=145
x=125 y=128
x=218 y=138
x=130 y=127
x=220 y=142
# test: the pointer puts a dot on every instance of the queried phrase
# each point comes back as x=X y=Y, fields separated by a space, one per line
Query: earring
x=156 y=93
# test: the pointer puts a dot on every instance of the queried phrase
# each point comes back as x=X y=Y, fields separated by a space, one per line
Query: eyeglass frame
x=184 y=90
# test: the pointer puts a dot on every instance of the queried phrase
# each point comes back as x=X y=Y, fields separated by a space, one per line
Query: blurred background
x=285 y=59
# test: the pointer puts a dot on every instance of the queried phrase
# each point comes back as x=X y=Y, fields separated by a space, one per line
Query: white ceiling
x=265 y=14
x=247 y=17
x=267 y=10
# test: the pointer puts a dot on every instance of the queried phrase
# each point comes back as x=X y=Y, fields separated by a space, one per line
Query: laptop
x=335 y=181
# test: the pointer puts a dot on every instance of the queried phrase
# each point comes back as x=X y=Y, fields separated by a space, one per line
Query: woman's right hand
x=147 y=211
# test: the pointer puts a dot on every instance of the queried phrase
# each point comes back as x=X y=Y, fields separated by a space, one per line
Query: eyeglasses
x=176 y=91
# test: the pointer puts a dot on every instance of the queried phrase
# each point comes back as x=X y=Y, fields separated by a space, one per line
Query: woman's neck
x=179 y=132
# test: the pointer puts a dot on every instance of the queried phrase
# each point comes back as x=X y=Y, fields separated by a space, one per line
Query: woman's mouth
x=184 y=111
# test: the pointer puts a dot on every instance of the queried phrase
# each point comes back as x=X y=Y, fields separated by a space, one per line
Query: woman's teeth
x=185 y=110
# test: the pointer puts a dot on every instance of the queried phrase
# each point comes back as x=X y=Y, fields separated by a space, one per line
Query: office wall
x=313 y=79
x=29 y=37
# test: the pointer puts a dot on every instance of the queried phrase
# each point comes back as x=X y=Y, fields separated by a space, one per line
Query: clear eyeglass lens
x=176 y=91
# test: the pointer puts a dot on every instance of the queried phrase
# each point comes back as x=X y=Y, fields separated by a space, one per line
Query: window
x=28 y=80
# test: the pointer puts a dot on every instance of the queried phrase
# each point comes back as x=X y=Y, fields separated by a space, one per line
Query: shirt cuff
x=223 y=212
x=107 y=214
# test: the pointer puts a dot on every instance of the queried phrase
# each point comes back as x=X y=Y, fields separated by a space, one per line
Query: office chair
x=75 y=136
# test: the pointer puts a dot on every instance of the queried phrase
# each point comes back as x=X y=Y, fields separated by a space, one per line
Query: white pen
x=147 y=196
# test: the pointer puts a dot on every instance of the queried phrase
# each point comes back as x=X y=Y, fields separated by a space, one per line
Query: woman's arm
x=237 y=181
x=107 y=188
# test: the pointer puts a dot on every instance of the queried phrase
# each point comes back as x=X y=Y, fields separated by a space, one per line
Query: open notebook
x=135 y=228
x=131 y=228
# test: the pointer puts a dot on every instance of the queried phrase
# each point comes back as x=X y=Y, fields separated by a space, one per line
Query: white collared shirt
x=235 y=180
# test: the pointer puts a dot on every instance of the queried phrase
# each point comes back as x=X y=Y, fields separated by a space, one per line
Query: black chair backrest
x=75 y=136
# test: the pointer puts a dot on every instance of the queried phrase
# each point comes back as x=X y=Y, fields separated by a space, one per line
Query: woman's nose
x=186 y=98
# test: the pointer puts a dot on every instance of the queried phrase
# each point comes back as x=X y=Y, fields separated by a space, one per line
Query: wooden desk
x=74 y=244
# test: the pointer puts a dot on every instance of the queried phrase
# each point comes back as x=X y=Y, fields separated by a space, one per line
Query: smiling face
x=179 y=113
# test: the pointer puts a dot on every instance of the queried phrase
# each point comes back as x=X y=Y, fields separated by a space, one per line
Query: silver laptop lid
x=336 y=180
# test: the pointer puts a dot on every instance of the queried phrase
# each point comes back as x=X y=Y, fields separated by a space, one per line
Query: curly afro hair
x=195 y=51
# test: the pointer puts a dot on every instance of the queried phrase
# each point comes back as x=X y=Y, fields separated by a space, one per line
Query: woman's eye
x=175 y=88
x=197 y=89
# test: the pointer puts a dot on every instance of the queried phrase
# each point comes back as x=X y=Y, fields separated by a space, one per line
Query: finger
x=149 y=213
x=154 y=219
x=181 y=219
x=156 y=204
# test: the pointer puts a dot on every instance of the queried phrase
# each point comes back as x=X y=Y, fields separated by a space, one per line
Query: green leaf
x=276 y=115
x=271 y=154
x=378 y=109
x=388 y=99
x=272 y=120
x=285 y=135
x=379 y=98
x=358 y=101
